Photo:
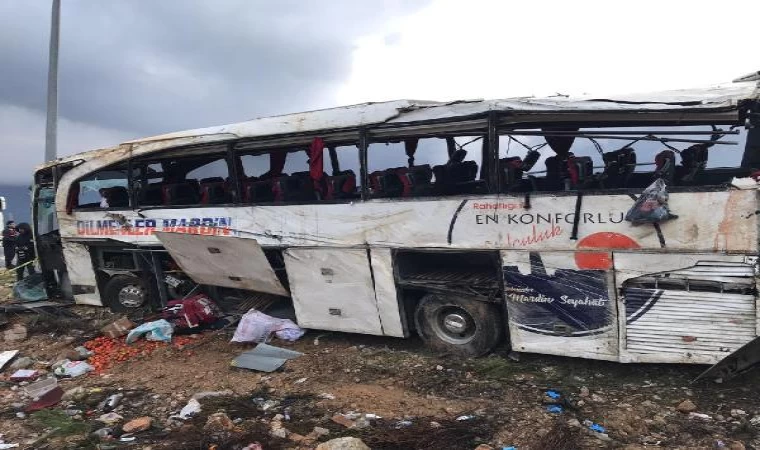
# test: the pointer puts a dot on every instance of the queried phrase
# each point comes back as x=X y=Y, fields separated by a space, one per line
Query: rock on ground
x=219 y=422
x=137 y=425
x=344 y=443
x=686 y=406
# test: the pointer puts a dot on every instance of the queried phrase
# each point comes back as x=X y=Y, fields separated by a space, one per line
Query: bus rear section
x=469 y=224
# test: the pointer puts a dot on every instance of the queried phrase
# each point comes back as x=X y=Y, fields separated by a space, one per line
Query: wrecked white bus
x=468 y=222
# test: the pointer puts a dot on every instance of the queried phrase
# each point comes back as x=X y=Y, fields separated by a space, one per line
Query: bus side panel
x=561 y=303
x=332 y=289
x=724 y=222
x=81 y=273
x=685 y=308
x=388 y=303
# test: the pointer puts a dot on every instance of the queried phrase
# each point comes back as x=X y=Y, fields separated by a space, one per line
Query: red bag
x=191 y=312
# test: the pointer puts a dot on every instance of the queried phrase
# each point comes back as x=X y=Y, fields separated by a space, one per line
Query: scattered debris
x=265 y=358
x=73 y=369
x=118 y=329
x=111 y=402
x=255 y=326
x=138 y=425
x=192 y=409
x=109 y=351
x=158 y=330
x=46 y=400
x=25 y=375
x=40 y=388
x=6 y=356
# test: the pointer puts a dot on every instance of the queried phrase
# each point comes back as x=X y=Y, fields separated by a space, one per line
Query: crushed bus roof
x=715 y=98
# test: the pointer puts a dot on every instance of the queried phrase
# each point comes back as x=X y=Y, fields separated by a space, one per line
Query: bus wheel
x=125 y=293
x=453 y=324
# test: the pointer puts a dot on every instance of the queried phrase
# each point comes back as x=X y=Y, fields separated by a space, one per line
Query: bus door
x=685 y=308
x=561 y=303
x=48 y=241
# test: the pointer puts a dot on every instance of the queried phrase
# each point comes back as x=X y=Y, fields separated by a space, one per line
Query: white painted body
x=338 y=236
x=339 y=256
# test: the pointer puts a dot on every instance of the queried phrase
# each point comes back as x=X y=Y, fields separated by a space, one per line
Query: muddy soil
x=415 y=399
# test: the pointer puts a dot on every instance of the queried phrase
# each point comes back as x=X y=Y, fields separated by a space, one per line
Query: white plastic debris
x=73 y=369
x=255 y=326
x=192 y=408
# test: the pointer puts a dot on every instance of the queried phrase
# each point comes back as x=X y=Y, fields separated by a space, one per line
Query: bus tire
x=452 y=324
x=125 y=293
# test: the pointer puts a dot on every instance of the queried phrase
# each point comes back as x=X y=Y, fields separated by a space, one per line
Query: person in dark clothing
x=24 y=250
x=9 y=243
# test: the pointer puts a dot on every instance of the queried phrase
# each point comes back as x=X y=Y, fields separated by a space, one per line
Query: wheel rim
x=132 y=296
x=454 y=325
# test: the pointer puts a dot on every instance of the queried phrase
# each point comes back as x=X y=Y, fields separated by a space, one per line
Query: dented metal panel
x=223 y=261
x=332 y=290
x=685 y=308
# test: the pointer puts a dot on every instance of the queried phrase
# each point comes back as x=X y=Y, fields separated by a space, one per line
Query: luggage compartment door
x=685 y=308
x=223 y=261
x=332 y=289
x=561 y=303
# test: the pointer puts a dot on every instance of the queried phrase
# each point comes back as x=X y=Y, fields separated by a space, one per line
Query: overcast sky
x=132 y=68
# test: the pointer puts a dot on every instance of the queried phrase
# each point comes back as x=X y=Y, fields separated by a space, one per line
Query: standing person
x=9 y=243
x=24 y=250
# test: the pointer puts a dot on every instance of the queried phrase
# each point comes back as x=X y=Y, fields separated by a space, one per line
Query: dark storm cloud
x=154 y=66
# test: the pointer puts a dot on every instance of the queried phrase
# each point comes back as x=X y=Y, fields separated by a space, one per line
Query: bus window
x=279 y=176
x=189 y=180
x=105 y=189
x=596 y=158
x=342 y=169
x=276 y=176
x=422 y=167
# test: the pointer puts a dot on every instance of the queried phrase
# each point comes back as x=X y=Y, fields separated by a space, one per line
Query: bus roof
x=724 y=96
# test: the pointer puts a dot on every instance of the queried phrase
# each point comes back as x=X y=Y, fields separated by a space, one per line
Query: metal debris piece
x=265 y=358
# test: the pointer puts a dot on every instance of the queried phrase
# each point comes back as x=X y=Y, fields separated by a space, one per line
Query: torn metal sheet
x=6 y=356
x=740 y=361
x=264 y=358
x=332 y=289
x=223 y=261
x=685 y=308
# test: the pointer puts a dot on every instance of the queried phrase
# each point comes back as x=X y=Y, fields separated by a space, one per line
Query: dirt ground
x=416 y=399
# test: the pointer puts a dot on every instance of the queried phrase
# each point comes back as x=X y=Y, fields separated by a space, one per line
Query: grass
x=59 y=421
x=497 y=367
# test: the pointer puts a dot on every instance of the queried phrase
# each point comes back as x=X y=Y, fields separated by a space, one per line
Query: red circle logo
x=601 y=260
